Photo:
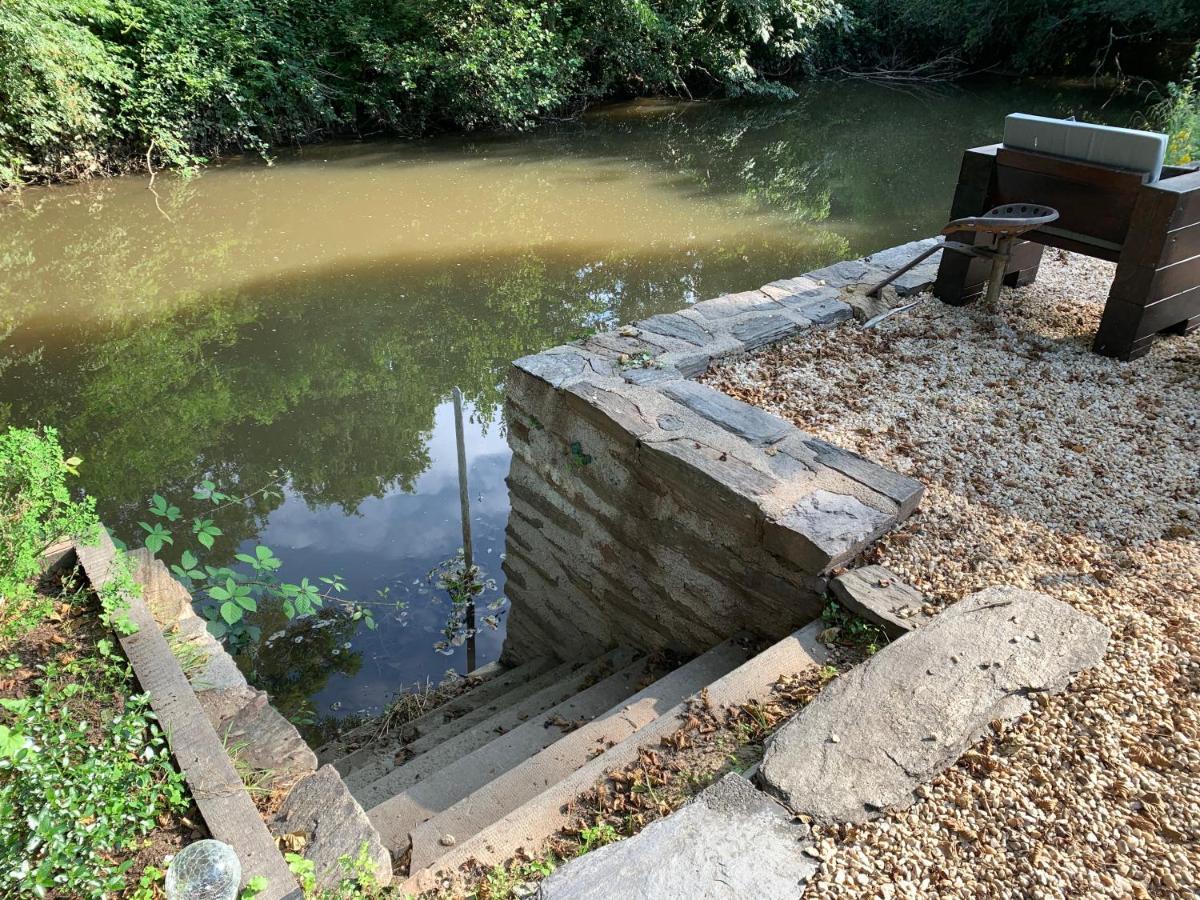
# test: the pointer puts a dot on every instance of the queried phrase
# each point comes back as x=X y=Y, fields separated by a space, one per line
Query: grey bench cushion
x=1123 y=148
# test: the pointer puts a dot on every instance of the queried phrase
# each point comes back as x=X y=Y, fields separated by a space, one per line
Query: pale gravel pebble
x=1051 y=468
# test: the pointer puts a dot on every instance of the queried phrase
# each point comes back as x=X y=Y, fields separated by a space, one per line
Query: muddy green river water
x=311 y=319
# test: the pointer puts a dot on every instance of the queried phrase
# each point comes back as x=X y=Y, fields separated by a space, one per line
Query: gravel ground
x=1054 y=469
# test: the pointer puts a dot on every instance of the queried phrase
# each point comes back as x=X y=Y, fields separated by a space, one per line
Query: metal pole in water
x=464 y=500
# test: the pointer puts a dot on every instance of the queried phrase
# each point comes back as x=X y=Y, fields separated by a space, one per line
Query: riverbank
x=139 y=85
x=1053 y=469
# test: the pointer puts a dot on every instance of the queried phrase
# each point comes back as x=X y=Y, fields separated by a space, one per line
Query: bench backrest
x=1103 y=145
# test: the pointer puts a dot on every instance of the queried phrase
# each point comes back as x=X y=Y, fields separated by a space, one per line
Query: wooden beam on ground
x=215 y=785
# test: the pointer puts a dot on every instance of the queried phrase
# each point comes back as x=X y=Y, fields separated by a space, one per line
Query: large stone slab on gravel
x=731 y=842
x=907 y=713
x=881 y=596
x=333 y=825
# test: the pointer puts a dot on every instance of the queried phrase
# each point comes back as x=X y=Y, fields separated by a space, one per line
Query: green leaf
x=231 y=612
x=206 y=539
x=159 y=505
x=246 y=603
x=219 y=593
x=11 y=742
x=188 y=560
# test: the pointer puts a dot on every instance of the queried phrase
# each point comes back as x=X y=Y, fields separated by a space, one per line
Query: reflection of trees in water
x=297 y=658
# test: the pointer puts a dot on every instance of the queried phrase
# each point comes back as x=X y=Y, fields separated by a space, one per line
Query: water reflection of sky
x=392 y=542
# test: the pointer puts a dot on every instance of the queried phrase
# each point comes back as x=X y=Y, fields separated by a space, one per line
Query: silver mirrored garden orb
x=205 y=870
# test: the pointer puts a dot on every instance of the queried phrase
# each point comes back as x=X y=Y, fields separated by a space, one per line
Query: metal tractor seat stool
x=1001 y=227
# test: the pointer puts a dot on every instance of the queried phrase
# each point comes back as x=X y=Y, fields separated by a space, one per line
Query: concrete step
x=435 y=750
x=399 y=815
x=530 y=824
x=356 y=738
x=459 y=711
x=508 y=790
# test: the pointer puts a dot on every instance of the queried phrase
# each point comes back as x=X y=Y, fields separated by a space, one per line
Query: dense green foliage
x=97 y=84
x=1180 y=115
x=36 y=509
x=85 y=774
x=82 y=779
x=1031 y=36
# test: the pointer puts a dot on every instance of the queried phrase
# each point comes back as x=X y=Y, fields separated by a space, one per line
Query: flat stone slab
x=759 y=428
x=906 y=714
x=731 y=841
x=333 y=825
x=881 y=596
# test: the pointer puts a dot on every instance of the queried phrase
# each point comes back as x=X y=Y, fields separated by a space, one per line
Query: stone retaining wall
x=651 y=510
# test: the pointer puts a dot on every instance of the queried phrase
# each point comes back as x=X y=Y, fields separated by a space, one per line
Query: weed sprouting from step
x=845 y=628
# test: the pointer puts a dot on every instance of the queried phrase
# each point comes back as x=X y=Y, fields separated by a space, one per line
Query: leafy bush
x=36 y=508
x=98 y=85
x=1023 y=35
x=1179 y=116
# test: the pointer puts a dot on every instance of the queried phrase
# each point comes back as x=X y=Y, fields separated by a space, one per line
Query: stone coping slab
x=214 y=783
x=811 y=503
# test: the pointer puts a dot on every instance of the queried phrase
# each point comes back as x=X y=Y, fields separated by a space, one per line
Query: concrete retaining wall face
x=652 y=511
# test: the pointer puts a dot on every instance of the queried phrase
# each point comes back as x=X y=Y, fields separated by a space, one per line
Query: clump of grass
x=513 y=880
x=188 y=653
x=420 y=699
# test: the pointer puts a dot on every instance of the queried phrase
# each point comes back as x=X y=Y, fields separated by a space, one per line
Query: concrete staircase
x=493 y=769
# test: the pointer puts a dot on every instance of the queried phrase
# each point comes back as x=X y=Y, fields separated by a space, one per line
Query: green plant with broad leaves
x=232 y=593
x=466 y=588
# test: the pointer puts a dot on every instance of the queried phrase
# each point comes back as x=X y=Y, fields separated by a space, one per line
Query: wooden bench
x=1150 y=228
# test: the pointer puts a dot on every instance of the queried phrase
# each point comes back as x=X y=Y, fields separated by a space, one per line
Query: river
x=304 y=323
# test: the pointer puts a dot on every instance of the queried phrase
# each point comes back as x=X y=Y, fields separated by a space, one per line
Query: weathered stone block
x=612 y=407
x=842 y=274
x=825 y=529
x=760 y=428
x=893 y=722
x=905 y=492
x=916 y=280
x=333 y=825
x=762 y=328
x=557 y=366
x=820 y=306
x=735 y=305
x=257 y=734
x=895 y=257
x=681 y=328
x=731 y=841
x=785 y=287
x=881 y=596
x=650 y=374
